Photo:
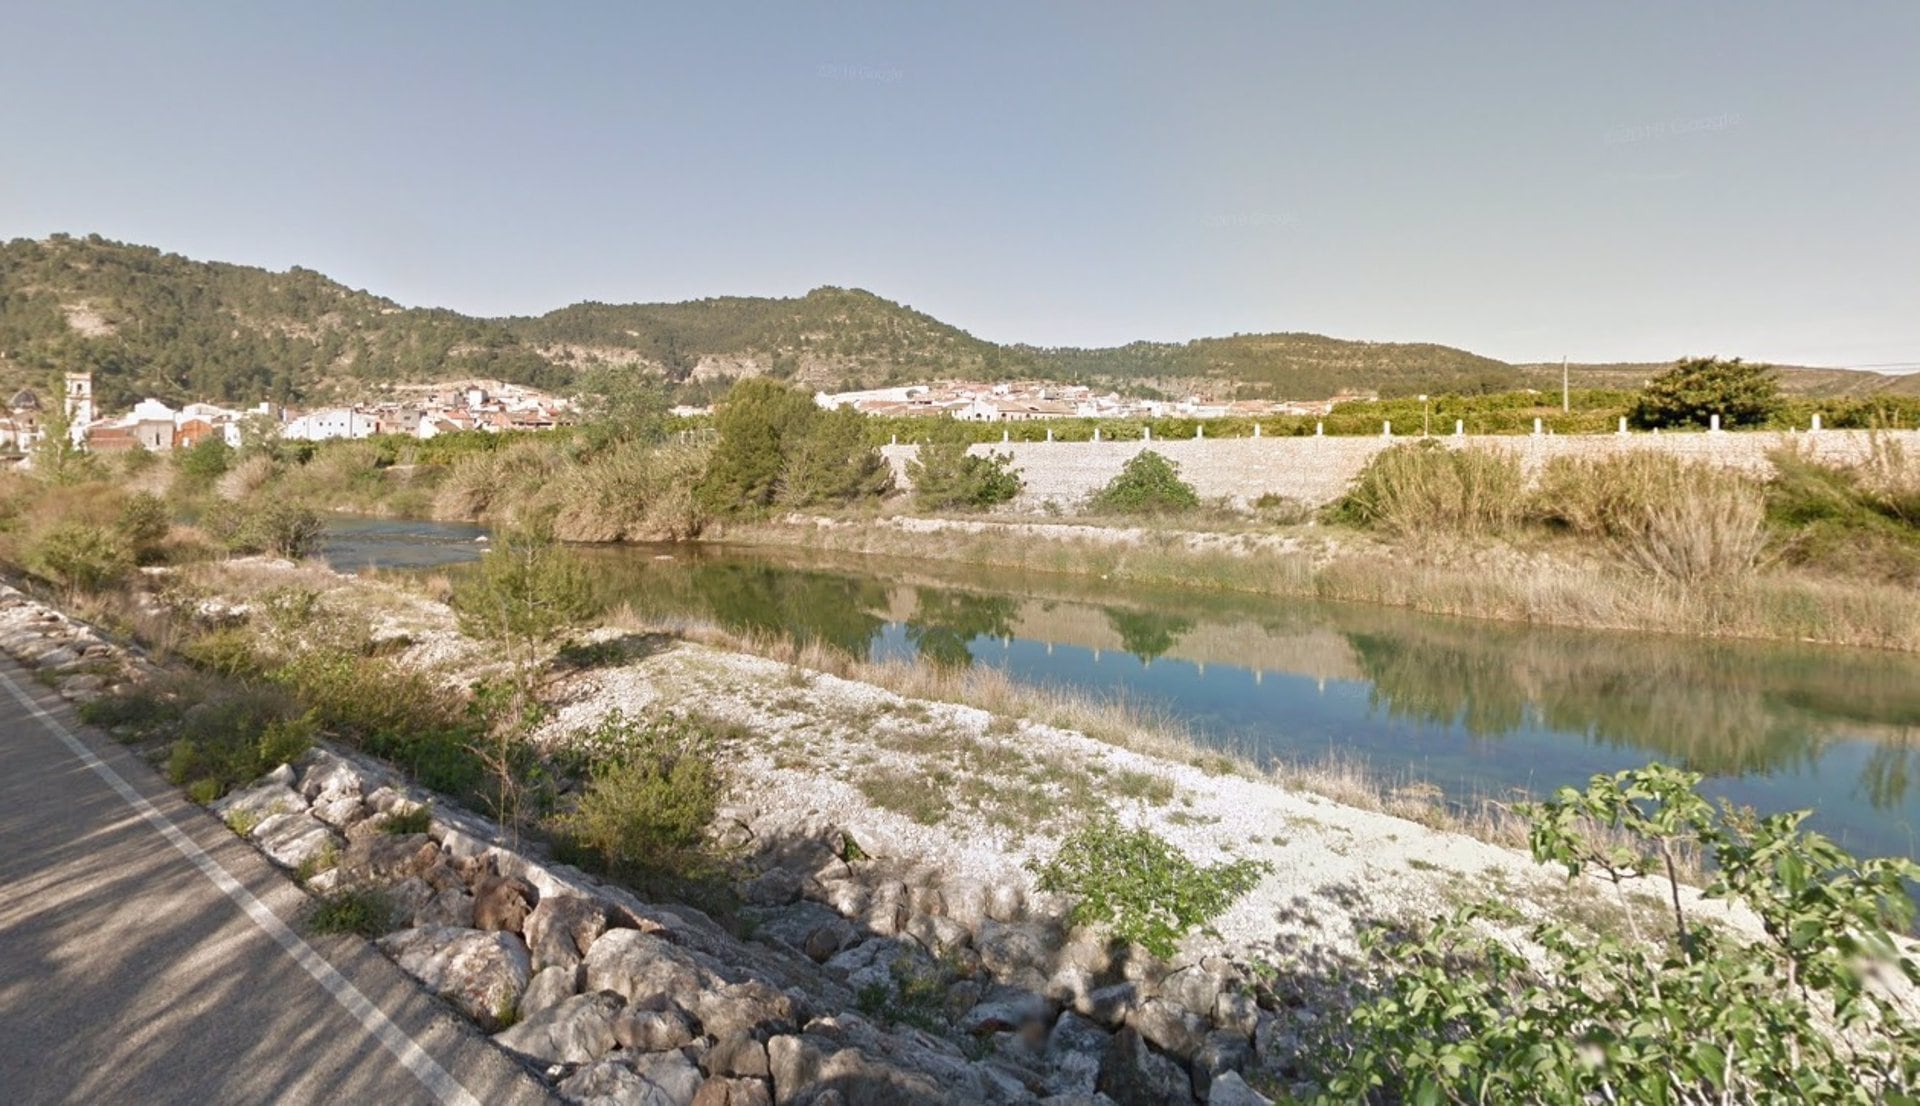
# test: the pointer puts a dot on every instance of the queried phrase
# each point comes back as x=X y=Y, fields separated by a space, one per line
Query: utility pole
x=1566 y=393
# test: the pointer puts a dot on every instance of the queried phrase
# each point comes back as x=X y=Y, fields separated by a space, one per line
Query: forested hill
x=152 y=323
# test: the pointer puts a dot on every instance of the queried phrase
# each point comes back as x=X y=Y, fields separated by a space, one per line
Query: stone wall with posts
x=1318 y=469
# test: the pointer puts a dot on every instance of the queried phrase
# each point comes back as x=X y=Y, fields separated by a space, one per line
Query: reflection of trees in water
x=1889 y=770
x=826 y=607
x=945 y=622
x=1724 y=710
x=1147 y=634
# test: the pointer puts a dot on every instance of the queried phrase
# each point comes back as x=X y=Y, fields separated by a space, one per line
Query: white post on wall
x=1536 y=428
x=896 y=440
x=1096 y=433
x=1459 y=428
x=1386 y=429
x=1146 y=433
x=1319 y=429
x=1049 y=433
x=1713 y=424
x=1199 y=432
x=1816 y=422
x=1256 y=430
x=1005 y=436
x=1623 y=425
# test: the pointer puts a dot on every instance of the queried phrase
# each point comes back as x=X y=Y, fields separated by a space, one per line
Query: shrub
x=631 y=492
x=651 y=793
x=1687 y=522
x=267 y=526
x=80 y=557
x=833 y=464
x=1693 y=391
x=361 y=911
x=1700 y=1014
x=948 y=478
x=1139 y=887
x=526 y=592
x=415 y=819
x=237 y=738
x=1148 y=484
x=761 y=424
x=399 y=714
x=1419 y=488
x=1846 y=519
x=144 y=524
x=203 y=464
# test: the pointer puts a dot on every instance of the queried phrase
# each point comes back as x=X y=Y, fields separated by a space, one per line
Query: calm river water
x=1477 y=708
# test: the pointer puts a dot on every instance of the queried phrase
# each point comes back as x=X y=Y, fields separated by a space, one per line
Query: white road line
x=424 y=1068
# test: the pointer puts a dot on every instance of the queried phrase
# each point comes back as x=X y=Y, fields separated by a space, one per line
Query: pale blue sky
x=1606 y=181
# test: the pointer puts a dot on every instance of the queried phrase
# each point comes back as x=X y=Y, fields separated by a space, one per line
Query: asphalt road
x=147 y=955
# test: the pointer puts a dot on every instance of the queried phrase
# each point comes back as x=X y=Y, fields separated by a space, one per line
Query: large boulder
x=645 y=970
x=562 y=928
x=483 y=974
x=1169 y=1026
x=1224 y=1050
x=577 y=1030
x=384 y=858
x=809 y=1066
x=503 y=902
x=734 y=1092
x=291 y=840
x=549 y=987
x=651 y=1030
x=1230 y=1090
x=655 y=1079
x=1133 y=1074
x=1075 y=1049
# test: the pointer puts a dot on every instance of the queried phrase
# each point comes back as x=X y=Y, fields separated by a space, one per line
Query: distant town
x=430 y=410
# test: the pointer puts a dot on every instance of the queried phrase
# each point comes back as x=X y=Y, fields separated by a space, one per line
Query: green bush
x=144 y=524
x=1139 y=887
x=236 y=738
x=80 y=557
x=359 y=911
x=1693 y=391
x=269 y=525
x=527 y=592
x=1421 y=488
x=1808 y=1012
x=396 y=713
x=1850 y=520
x=204 y=463
x=1148 y=484
x=651 y=791
x=948 y=478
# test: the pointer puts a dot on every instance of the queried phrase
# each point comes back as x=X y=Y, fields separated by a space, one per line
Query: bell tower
x=79 y=407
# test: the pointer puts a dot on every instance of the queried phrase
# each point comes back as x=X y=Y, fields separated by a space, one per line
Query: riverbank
x=1552 y=583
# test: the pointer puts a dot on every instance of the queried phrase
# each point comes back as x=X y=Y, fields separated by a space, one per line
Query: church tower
x=79 y=406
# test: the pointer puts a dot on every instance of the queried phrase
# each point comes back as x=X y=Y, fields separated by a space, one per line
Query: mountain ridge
x=146 y=322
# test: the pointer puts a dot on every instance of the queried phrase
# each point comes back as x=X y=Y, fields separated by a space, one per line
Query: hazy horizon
x=1618 y=184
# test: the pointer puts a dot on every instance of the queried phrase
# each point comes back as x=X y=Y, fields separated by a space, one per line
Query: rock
x=329 y=775
x=1018 y=955
x=745 y=1009
x=737 y=1055
x=290 y=840
x=562 y=928
x=341 y=812
x=774 y=887
x=1169 y=1026
x=282 y=775
x=409 y=897
x=734 y=1092
x=1109 y=1006
x=644 y=970
x=1222 y=1051
x=385 y=858
x=1231 y=1090
x=577 y=1030
x=847 y=896
x=1133 y=1074
x=1006 y=1011
x=806 y=1067
x=659 y=1079
x=1006 y=902
x=1236 y=1011
x=1194 y=987
x=887 y=910
x=550 y=987
x=651 y=1030
x=1075 y=1049
x=937 y=933
x=483 y=974
x=829 y=940
x=260 y=801
x=502 y=902
x=451 y=907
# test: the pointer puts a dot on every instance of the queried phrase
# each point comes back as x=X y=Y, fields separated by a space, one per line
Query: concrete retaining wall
x=1317 y=470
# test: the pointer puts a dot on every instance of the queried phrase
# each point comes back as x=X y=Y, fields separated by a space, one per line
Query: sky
x=1607 y=182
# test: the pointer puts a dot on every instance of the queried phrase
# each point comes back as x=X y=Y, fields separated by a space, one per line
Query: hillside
x=152 y=323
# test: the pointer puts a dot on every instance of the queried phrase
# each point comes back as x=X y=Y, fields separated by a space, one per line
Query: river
x=1476 y=708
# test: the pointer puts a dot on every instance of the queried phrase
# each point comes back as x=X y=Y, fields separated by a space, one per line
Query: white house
x=330 y=424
